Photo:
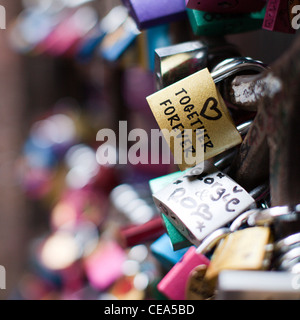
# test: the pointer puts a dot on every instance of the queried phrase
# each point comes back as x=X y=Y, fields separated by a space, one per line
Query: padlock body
x=174 y=283
x=150 y=13
x=199 y=205
x=216 y=24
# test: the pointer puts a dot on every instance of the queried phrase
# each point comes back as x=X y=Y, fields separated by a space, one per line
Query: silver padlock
x=201 y=204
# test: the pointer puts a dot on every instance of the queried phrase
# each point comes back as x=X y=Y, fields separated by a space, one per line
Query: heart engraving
x=203 y=211
x=208 y=107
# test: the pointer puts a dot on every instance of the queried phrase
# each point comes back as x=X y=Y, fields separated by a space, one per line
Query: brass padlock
x=194 y=104
x=241 y=250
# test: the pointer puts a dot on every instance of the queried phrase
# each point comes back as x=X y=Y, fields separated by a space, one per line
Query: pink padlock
x=104 y=266
x=277 y=17
x=226 y=6
x=174 y=283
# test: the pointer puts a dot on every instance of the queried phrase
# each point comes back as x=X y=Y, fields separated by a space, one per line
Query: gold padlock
x=241 y=250
x=194 y=104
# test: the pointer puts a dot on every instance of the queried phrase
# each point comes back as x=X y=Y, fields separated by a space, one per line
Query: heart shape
x=214 y=107
x=203 y=211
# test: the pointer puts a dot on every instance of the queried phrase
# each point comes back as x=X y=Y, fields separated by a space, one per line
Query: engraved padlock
x=213 y=24
x=228 y=6
x=195 y=104
x=201 y=204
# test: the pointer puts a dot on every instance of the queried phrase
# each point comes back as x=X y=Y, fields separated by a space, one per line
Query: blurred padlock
x=213 y=24
x=116 y=42
x=104 y=265
x=109 y=24
x=136 y=234
x=64 y=38
x=257 y=285
x=163 y=251
x=227 y=6
x=278 y=17
x=150 y=13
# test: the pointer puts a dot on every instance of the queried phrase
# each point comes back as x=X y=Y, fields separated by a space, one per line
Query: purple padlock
x=150 y=13
x=226 y=6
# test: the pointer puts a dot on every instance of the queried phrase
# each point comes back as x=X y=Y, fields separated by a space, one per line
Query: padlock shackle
x=232 y=66
x=212 y=240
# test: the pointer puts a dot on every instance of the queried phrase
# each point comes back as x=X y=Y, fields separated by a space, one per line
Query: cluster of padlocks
x=226 y=225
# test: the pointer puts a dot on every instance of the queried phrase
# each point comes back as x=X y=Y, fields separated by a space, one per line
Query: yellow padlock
x=241 y=250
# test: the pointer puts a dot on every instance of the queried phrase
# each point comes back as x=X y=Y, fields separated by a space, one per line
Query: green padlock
x=216 y=24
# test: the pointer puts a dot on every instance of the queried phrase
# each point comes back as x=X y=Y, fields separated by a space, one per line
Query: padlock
x=179 y=283
x=188 y=104
x=202 y=204
x=278 y=17
x=178 y=240
x=228 y=6
x=150 y=13
x=115 y=43
x=132 y=235
x=176 y=62
x=133 y=204
x=156 y=37
x=241 y=250
x=173 y=285
x=216 y=24
x=68 y=245
x=64 y=38
x=195 y=104
x=257 y=285
x=109 y=24
x=163 y=251
x=104 y=265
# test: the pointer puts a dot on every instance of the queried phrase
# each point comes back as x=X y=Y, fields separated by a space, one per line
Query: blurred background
x=53 y=99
